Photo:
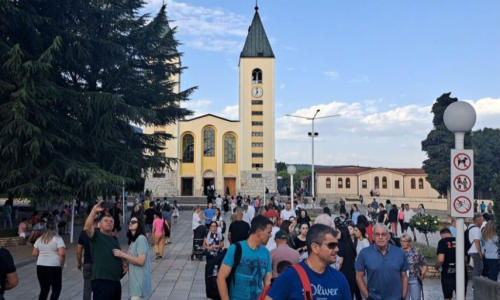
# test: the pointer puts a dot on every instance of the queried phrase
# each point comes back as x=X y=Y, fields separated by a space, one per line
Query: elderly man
x=326 y=282
x=239 y=229
x=475 y=251
x=386 y=268
x=325 y=218
x=283 y=251
x=287 y=212
x=107 y=269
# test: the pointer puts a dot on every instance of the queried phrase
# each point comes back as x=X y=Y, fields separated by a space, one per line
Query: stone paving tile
x=175 y=277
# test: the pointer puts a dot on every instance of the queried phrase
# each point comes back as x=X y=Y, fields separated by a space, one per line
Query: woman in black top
x=347 y=251
x=300 y=240
x=393 y=219
x=225 y=204
x=304 y=218
x=287 y=226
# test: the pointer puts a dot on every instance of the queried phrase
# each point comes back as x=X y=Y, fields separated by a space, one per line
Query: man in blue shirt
x=209 y=214
x=254 y=270
x=326 y=282
x=385 y=266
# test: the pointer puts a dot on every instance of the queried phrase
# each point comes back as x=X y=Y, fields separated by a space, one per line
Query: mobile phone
x=107 y=205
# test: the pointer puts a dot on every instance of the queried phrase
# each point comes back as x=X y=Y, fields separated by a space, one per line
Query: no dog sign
x=462 y=183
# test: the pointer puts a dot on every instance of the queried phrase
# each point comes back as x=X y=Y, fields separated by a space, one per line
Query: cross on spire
x=256 y=5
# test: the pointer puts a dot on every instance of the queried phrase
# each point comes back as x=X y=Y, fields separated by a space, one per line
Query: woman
x=300 y=240
x=166 y=214
x=490 y=239
x=296 y=227
x=360 y=233
x=393 y=219
x=362 y=220
x=219 y=219
x=347 y=252
x=213 y=242
x=137 y=212
x=354 y=213
x=233 y=204
x=225 y=205
x=176 y=211
x=304 y=218
x=288 y=226
x=51 y=253
x=369 y=211
x=22 y=230
x=401 y=216
x=139 y=272
x=421 y=210
x=418 y=267
x=159 y=235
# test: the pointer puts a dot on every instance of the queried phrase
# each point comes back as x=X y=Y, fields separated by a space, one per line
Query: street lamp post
x=459 y=117
x=291 y=170
x=313 y=134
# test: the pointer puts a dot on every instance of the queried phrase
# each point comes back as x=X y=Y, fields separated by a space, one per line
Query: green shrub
x=425 y=224
x=322 y=202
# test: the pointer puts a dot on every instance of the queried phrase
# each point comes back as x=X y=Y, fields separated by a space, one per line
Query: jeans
x=478 y=264
x=106 y=289
x=87 y=281
x=49 y=277
x=494 y=266
x=414 y=289
x=6 y=219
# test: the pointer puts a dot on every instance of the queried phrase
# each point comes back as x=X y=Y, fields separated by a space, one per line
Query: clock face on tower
x=257 y=92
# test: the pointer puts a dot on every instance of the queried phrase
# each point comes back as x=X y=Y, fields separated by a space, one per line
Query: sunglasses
x=133 y=222
x=332 y=245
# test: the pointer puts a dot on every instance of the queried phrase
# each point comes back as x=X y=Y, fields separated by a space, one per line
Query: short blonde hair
x=406 y=237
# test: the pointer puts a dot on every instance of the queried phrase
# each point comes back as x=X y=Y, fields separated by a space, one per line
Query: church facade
x=229 y=155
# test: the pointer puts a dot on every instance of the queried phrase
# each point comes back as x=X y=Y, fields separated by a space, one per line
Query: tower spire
x=256 y=5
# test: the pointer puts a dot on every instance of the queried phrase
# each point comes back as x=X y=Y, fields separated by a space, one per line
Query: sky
x=379 y=64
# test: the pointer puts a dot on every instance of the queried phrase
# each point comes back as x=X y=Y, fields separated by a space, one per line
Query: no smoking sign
x=462 y=183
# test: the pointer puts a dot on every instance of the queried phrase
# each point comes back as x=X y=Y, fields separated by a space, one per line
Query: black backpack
x=211 y=287
x=223 y=227
x=467 y=243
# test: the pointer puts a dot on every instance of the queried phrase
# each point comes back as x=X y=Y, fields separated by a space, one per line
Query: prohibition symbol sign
x=462 y=161
x=462 y=183
x=462 y=204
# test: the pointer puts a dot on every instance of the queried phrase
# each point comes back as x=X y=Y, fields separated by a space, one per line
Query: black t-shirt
x=393 y=215
x=84 y=240
x=299 y=244
x=348 y=252
x=381 y=215
x=447 y=247
x=301 y=220
x=239 y=231
x=6 y=267
x=150 y=215
x=115 y=213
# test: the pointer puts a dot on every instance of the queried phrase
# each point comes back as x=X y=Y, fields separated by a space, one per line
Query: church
x=228 y=155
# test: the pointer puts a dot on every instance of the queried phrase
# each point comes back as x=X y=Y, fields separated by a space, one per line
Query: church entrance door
x=187 y=187
x=231 y=184
x=207 y=185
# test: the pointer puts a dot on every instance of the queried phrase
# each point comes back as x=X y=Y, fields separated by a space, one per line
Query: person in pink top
x=158 y=235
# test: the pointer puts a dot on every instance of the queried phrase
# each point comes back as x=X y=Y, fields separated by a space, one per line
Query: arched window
x=384 y=182
x=413 y=184
x=230 y=149
x=209 y=142
x=328 y=183
x=348 y=183
x=377 y=182
x=188 y=148
x=340 y=183
x=256 y=76
x=421 y=184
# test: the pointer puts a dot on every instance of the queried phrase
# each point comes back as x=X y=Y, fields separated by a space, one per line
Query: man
x=382 y=214
x=326 y=282
x=107 y=269
x=342 y=221
x=475 y=251
x=246 y=215
x=490 y=208
x=150 y=216
x=446 y=259
x=385 y=266
x=254 y=270
x=239 y=229
x=7 y=215
x=287 y=212
x=117 y=214
x=408 y=214
x=271 y=244
x=196 y=217
x=325 y=218
x=84 y=245
x=251 y=210
x=273 y=212
x=483 y=207
x=218 y=202
x=256 y=203
x=209 y=214
x=283 y=251
x=374 y=204
x=8 y=273
x=453 y=227
x=238 y=200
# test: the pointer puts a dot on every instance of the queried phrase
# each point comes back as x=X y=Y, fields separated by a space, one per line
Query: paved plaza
x=175 y=277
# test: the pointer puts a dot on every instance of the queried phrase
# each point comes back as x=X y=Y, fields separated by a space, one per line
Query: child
x=176 y=211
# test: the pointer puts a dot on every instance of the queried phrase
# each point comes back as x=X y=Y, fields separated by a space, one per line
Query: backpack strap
x=304 y=279
x=236 y=261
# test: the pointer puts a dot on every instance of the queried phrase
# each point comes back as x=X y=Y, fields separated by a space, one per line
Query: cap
x=281 y=235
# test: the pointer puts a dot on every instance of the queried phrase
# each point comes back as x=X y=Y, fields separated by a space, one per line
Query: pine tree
x=67 y=110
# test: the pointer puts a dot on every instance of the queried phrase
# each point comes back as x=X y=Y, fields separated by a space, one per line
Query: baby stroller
x=199 y=234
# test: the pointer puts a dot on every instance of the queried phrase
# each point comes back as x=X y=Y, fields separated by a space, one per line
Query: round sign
x=462 y=183
x=462 y=161
x=462 y=205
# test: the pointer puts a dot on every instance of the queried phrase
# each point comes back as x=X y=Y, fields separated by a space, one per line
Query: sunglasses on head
x=133 y=222
x=332 y=245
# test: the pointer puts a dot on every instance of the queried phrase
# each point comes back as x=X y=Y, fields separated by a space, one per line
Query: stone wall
x=163 y=186
x=255 y=186
x=12 y=241
x=486 y=289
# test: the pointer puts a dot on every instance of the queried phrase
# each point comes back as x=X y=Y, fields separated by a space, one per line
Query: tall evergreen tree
x=437 y=146
x=77 y=75
x=486 y=145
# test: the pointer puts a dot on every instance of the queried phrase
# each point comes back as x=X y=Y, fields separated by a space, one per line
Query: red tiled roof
x=409 y=171
x=354 y=170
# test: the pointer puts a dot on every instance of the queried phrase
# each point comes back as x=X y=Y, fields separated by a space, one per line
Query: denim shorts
x=149 y=228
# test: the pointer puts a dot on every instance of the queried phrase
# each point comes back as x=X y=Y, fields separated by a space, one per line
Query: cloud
x=231 y=112
x=332 y=75
x=199 y=106
x=282 y=86
x=367 y=133
x=362 y=79
x=289 y=69
x=205 y=28
x=279 y=104
x=290 y=48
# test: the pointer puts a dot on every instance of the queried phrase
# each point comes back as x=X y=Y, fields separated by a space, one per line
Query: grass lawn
x=429 y=252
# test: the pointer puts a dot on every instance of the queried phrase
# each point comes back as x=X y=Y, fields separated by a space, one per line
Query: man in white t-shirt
x=251 y=210
x=196 y=217
x=287 y=212
x=271 y=243
x=408 y=214
x=475 y=251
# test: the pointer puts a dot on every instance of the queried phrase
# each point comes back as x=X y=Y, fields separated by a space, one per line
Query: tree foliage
x=75 y=76
x=486 y=145
x=281 y=166
x=495 y=192
x=296 y=177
